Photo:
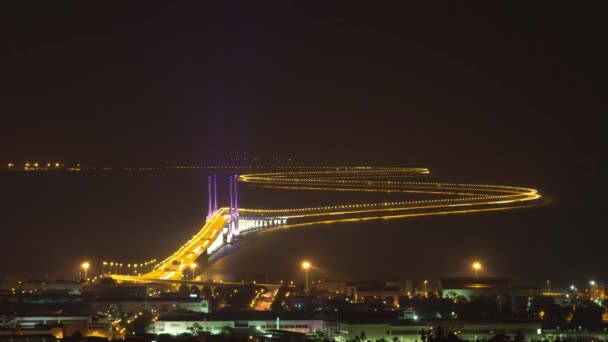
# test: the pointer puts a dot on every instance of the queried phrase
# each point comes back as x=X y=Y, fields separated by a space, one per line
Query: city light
x=306 y=265
x=476 y=266
x=85 y=266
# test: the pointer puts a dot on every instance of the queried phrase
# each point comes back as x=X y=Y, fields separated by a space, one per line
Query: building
x=375 y=330
x=58 y=326
x=12 y=287
x=243 y=322
x=467 y=289
x=367 y=291
x=473 y=331
x=158 y=305
x=390 y=329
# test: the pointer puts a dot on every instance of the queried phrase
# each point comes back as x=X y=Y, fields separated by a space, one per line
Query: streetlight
x=85 y=266
x=426 y=292
x=476 y=266
x=192 y=267
x=306 y=265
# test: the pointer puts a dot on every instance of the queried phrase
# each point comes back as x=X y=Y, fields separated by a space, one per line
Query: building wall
x=476 y=331
x=158 y=306
x=180 y=327
x=215 y=327
x=349 y=331
x=331 y=286
x=412 y=333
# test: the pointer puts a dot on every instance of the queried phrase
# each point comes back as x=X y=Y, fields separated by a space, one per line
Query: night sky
x=510 y=93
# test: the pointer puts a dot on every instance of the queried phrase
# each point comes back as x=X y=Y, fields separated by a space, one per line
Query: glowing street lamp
x=476 y=266
x=85 y=266
x=426 y=292
x=306 y=265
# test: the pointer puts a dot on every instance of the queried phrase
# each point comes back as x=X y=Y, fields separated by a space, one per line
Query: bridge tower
x=214 y=194
x=212 y=191
x=233 y=226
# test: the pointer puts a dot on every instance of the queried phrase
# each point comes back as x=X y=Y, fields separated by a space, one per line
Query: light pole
x=476 y=266
x=192 y=267
x=306 y=265
x=426 y=292
x=85 y=266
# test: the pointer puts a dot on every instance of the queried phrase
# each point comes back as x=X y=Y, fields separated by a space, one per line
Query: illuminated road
x=448 y=198
x=173 y=266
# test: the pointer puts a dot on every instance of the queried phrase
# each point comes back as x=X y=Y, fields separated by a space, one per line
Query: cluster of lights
x=36 y=165
x=131 y=268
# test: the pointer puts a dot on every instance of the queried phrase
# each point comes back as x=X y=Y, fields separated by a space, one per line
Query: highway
x=447 y=198
x=172 y=267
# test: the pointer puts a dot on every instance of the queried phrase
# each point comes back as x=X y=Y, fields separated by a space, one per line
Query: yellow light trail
x=454 y=198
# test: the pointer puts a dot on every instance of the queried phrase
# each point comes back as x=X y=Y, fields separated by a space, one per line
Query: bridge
x=224 y=225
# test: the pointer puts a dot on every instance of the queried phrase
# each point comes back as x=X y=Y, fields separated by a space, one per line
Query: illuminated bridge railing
x=247 y=224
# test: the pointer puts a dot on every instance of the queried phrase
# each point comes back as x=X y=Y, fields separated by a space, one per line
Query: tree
x=519 y=337
x=196 y=329
x=141 y=323
x=423 y=335
x=77 y=336
x=107 y=281
x=206 y=292
x=499 y=338
x=588 y=315
x=184 y=291
x=439 y=334
x=227 y=330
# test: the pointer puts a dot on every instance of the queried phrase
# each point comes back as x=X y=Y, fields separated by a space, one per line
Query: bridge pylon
x=233 y=223
x=212 y=191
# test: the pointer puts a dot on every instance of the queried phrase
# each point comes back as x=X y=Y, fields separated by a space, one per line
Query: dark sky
x=511 y=92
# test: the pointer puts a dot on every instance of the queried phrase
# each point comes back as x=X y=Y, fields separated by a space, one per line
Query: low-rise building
x=56 y=325
x=412 y=331
x=252 y=321
x=473 y=331
x=517 y=297
x=154 y=304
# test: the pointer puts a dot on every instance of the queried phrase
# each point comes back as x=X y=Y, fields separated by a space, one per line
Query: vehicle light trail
x=449 y=198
